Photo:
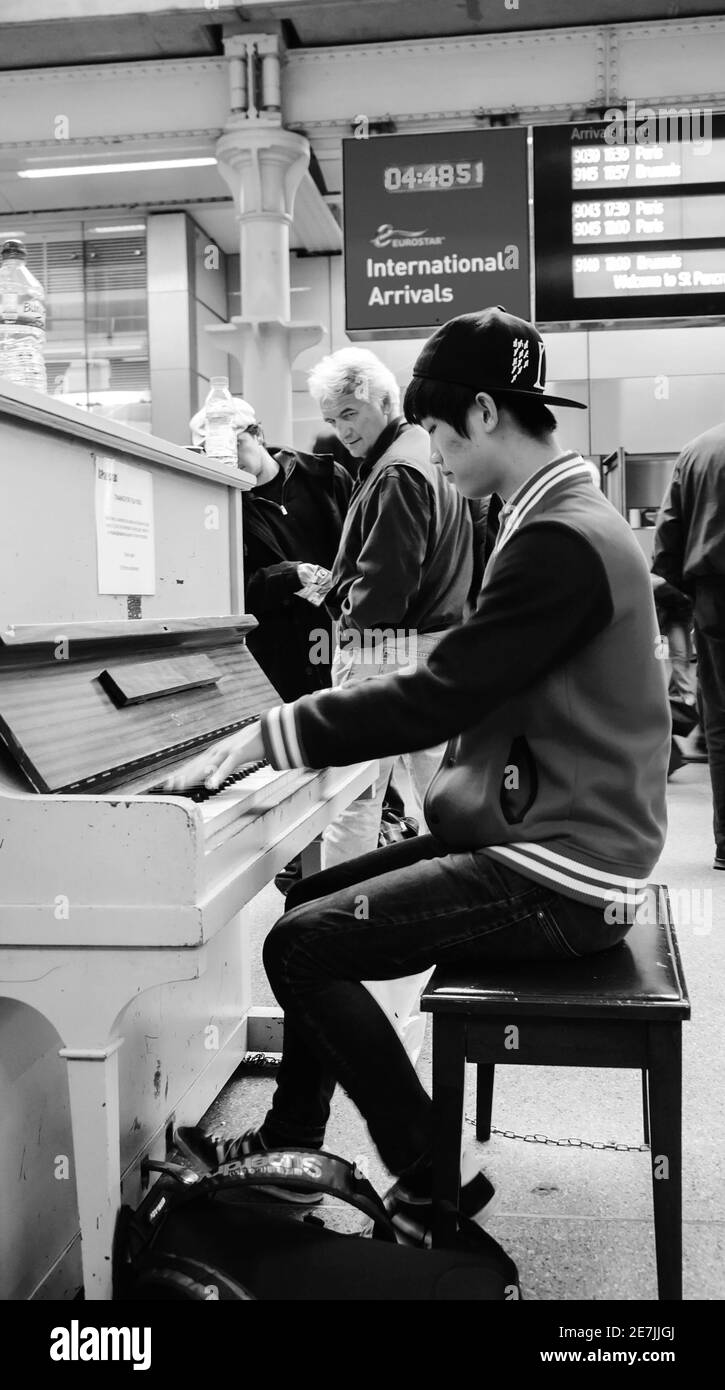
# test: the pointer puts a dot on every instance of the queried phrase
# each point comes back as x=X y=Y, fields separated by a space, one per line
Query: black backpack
x=216 y=1237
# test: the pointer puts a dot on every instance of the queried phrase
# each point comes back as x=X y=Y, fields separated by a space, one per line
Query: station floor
x=578 y=1221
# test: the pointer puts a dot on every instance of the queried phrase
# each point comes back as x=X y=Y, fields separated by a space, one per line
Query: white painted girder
x=35 y=11
x=107 y=100
x=427 y=81
x=180 y=107
x=684 y=62
x=434 y=77
x=454 y=78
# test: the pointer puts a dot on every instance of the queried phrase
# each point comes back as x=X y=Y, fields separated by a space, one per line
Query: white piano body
x=124 y=974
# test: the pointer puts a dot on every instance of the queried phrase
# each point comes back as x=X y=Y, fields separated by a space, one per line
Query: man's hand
x=215 y=764
x=307 y=574
x=316 y=582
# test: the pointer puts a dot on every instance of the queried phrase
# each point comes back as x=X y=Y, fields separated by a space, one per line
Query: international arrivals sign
x=435 y=225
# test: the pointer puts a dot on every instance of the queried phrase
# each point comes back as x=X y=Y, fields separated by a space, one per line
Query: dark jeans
x=384 y=915
x=710 y=642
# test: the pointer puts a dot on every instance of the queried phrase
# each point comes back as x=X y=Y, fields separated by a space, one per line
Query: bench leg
x=449 y=1073
x=485 y=1072
x=645 y=1106
x=665 y=1116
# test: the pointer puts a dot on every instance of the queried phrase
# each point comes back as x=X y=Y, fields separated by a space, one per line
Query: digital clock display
x=411 y=263
x=436 y=178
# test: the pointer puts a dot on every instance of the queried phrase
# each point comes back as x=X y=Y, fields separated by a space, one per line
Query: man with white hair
x=404 y=575
x=405 y=567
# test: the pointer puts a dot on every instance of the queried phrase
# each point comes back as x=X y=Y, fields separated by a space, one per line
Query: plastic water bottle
x=221 y=435
x=22 y=320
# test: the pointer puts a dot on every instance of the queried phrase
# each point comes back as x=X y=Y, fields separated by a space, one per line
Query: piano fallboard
x=92 y=714
x=92 y=853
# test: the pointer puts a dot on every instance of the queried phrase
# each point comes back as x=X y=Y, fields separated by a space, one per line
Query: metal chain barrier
x=572 y=1143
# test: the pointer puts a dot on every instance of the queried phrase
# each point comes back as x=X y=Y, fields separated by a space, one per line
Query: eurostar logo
x=388 y=235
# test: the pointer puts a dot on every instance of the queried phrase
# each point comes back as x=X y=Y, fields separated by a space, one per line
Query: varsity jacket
x=551 y=695
x=406 y=557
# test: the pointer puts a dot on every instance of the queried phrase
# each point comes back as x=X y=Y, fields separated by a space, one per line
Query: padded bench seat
x=618 y=1008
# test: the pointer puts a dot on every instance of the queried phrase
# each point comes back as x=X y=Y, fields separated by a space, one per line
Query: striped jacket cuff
x=281 y=741
x=571 y=877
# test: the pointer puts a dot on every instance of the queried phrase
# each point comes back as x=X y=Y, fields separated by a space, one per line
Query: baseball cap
x=491 y=350
x=244 y=416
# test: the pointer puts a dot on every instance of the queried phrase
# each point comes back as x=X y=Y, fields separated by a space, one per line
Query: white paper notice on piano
x=124 y=528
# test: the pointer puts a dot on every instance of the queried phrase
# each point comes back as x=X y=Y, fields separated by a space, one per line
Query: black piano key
x=198 y=792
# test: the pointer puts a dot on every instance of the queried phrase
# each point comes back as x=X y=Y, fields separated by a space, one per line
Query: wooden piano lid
x=13 y=635
x=121 y=698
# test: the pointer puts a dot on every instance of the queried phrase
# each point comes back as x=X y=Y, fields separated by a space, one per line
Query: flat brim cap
x=491 y=350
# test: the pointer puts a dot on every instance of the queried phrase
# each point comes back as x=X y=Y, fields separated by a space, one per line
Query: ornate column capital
x=263 y=167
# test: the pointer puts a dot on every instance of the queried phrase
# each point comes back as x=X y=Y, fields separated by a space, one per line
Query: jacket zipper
x=269 y=503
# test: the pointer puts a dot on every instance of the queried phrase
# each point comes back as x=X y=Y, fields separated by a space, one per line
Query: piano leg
x=54 y=981
x=93 y=1086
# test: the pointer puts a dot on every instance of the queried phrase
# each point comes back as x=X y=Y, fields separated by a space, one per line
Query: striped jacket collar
x=562 y=469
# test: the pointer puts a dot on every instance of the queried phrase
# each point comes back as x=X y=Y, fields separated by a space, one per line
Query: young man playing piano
x=548 y=813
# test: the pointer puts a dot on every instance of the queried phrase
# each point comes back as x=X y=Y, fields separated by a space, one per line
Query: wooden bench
x=619 y=1008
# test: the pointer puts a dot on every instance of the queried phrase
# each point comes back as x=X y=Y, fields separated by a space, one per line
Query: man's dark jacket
x=689 y=546
x=407 y=556
x=285 y=638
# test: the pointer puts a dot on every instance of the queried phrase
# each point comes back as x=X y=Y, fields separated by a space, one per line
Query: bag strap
x=312 y=1170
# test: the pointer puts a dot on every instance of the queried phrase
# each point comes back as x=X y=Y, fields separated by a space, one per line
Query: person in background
x=292 y=523
x=405 y=567
x=394 y=823
x=674 y=615
x=689 y=553
x=405 y=563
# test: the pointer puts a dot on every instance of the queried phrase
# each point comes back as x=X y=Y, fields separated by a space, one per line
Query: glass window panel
x=117 y=324
x=95 y=279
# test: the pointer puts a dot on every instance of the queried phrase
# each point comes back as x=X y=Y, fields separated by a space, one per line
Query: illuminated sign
x=628 y=230
x=435 y=225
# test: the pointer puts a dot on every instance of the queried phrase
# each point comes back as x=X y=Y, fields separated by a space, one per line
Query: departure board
x=631 y=229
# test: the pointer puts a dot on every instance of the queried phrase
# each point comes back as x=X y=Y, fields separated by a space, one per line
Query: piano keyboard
x=199 y=792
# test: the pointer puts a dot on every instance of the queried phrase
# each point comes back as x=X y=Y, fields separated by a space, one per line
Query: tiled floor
x=578 y=1221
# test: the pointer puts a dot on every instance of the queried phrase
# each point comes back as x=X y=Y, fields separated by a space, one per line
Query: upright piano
x=122 y=942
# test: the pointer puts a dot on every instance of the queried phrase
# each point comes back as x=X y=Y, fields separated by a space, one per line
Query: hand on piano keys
x=215 y=764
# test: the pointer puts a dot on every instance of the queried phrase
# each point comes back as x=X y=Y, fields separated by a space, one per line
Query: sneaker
x=288 y=876
x=394 y=828
x=676 y=759
x=212 y=1152
x=411 y=1214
